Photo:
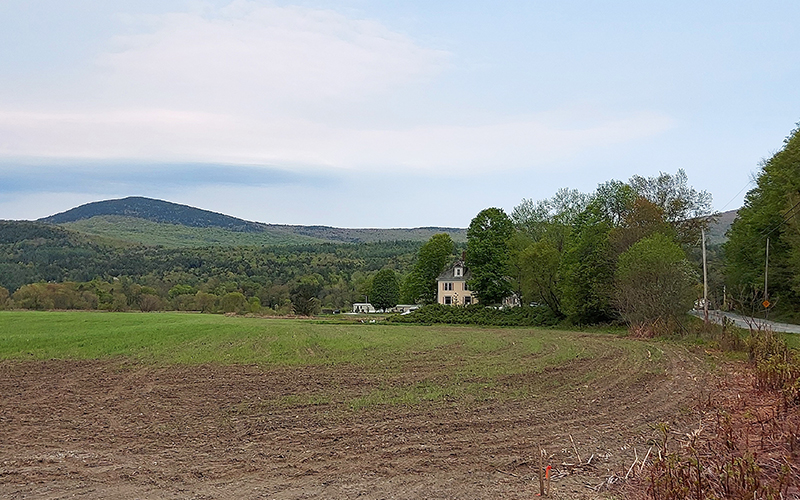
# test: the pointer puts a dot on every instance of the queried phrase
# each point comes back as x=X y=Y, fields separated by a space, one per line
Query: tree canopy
x=385 y=289
x=770 y=211
x=432 y=258
x=653 y=284
x=565 y=252
x=488 y=255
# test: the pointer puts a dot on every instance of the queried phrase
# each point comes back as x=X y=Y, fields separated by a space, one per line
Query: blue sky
x=384 y=114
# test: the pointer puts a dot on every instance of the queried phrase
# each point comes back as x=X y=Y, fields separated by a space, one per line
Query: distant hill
x=154 y=211
x=156 y=222
x=716 y=232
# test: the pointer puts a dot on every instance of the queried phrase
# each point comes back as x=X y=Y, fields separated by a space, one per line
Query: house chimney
x=464 y=256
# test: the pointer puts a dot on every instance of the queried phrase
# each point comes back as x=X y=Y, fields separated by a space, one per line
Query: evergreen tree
x=385 y=289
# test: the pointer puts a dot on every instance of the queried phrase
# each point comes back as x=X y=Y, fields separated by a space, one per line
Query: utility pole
x=705 y=279
x=766 y=273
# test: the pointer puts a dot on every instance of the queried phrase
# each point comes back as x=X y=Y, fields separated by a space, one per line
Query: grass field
x=457 y=361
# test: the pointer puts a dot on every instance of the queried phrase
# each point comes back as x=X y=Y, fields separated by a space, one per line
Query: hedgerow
x=479 y=315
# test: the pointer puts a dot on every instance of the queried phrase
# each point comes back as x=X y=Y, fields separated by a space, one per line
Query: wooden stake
x=541 y=479
x=576 y=449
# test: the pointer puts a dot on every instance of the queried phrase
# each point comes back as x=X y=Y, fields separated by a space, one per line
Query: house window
x=458 y=272
x=467 y=300
x=447 y=287
x=448 y=300
x=466 y=287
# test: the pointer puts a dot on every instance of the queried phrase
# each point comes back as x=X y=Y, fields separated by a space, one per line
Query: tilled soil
x=115 y=429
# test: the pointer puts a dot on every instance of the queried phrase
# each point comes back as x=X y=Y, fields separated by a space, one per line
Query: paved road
x=740 y=321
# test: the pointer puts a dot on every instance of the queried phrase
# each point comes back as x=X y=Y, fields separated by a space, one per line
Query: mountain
x=161 y=223
x=716 y=231
x=154 y=211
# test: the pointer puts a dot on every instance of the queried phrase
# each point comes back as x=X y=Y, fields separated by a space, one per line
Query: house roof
x=449 y=273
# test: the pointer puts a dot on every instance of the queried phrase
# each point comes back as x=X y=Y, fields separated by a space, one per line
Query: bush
x=653 y=285
x=777 y=367
x=149 y=303
x=479 y=315
x=234 y=302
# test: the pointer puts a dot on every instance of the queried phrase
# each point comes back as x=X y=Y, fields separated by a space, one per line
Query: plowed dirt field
x=123 y=429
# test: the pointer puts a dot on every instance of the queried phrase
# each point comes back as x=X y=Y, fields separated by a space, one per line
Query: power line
x=784 y=221
x=751 y=181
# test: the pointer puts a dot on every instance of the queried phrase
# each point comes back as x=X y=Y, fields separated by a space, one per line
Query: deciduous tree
x=654 y=285
x=685 y=208
x=432 y=258
x=587 y=269
x=233 y=302
x=488 y=255
x=770 y=211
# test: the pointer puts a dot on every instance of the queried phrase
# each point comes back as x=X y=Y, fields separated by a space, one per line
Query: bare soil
x=116 y=429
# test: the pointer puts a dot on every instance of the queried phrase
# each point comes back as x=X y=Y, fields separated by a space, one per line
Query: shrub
x=234 y=302
x=653 y=285
x=479 y=315
x=777 y=368
x=149 y=303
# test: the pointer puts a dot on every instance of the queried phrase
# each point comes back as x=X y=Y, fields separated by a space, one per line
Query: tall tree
x=488 y=254
x=587 y=269
x=543 y=228
x=432 y=258
x=654 y=285
x=770 y=211
x=643 y=218
x=385 y=289
x=685 y=208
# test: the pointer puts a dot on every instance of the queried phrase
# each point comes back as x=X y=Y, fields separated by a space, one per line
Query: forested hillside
x=147 y=221
x=155 y=211
x=171 y=235
x=34 y=252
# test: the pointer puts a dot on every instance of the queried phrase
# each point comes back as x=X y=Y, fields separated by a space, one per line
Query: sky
x=361 y=113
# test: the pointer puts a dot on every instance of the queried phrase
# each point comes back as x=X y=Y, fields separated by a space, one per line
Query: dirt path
x=101 y=429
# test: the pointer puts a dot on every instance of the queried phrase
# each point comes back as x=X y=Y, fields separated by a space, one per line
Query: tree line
x=769 y=214
x=616 y=253
x=44 y=266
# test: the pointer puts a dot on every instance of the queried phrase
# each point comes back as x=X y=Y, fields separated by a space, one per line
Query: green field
x=446 y=361
x=186 y=338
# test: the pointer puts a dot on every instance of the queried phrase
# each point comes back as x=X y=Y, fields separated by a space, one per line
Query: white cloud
x=255 y=84
x=252 y=56
x=168 y=135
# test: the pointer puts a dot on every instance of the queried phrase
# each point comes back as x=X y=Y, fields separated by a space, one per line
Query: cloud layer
x=289 y=86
